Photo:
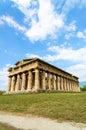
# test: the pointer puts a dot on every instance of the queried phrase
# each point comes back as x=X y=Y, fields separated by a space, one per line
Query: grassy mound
x=61 y=106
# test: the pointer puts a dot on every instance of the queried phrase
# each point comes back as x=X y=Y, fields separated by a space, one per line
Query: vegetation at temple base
x=83 y=88
x=60 y=106
x=7 y=127
x=2 y=92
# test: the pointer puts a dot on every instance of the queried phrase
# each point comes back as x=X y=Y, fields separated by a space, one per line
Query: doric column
x=29 y=80
x=23 y=81
x=65 y=84
x=56 y=82
x=13 y=84
x=18 y=83
x=74 y=86
x=68 y=85
x=37 y=82
x=71 y=86
x=55 y=88
x=52 y=82
x=43 y=80
x=49 y=81
x=59 y=83
x=9 y=85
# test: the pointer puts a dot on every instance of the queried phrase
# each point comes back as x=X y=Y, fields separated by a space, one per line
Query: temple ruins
x=36 y=75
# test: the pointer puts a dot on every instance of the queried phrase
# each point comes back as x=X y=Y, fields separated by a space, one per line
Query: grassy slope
x=7 y=127
x=61 y=106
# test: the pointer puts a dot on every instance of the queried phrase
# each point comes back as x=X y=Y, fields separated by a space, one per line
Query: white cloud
x=10 y=21
x=70 y=4
x=79 y=70
x=78 y=57
x=70 y=30
x=4 y=77
x=32 y=55
x=42 y=19
x=62 y=53
x=26 y=9
x=49 y=22
x=82 y=34
x=71 y=26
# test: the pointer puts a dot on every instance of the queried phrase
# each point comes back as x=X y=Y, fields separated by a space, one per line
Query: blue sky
x=53 y=30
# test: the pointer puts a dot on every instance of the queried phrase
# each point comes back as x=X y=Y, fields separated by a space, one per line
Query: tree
x=83 y=88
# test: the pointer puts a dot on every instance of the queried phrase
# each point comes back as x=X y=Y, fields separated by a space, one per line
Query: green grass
x=61 y=106
x=7 y=127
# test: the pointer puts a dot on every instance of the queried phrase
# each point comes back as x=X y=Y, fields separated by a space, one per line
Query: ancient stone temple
x=35 y=75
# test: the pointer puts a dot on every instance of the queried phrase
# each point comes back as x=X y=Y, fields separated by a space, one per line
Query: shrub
x=83 y=88
x=1 y=92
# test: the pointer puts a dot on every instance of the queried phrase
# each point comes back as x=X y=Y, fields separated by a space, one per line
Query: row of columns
x=40 y=80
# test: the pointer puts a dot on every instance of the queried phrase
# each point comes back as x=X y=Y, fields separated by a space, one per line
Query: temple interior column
x=13 y=84
x=18 y=83
x=23 y=81
x=9 y=85
x=37 y=82
x=29 y=80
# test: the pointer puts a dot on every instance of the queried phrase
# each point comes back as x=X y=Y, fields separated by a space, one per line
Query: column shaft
x=49 y=81
x=55 y=83
x=18 y=83
x=44 y=80
x=59 y=83
x=23 y=81
x=29 y=80
x=9 y=85
x=13 y=84
x=37 y=82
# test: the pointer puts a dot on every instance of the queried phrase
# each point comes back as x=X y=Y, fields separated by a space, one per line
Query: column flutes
x=29 y=80
x=37 y=83
x=49 y=81
x=18 y=83
x=13 y=84
x=23 y=81
x=44 y=80
x=9 y=85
